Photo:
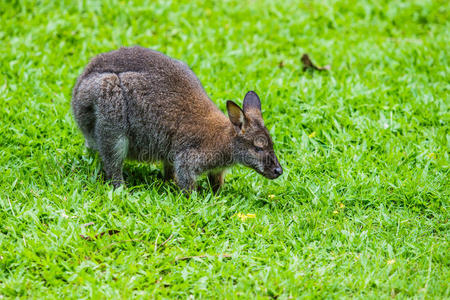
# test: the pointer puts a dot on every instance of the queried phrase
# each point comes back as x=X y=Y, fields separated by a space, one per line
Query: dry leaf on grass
x=308 y=64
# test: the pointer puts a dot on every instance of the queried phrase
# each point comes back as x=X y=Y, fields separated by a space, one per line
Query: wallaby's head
x=252 y=145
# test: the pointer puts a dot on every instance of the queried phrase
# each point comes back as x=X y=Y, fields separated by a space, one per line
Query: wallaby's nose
x=278 y=171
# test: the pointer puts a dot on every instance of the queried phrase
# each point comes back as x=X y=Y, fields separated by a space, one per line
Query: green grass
x=361 y=210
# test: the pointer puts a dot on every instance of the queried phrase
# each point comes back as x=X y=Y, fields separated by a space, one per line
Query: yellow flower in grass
x=335 y=212
x=391 y=262
x=244 y=217
x=341 y=205
x=271 y=196
x=312 y=134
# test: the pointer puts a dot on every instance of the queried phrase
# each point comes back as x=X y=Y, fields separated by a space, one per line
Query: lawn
x=361 y=211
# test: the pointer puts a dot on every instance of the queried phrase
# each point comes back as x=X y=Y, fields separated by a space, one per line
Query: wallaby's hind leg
x=216 y=180
x=111 y=127
x=113 y=150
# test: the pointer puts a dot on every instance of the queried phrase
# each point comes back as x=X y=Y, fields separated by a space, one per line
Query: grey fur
x=139 y=104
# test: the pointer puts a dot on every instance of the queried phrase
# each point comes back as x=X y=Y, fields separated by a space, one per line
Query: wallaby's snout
x=278 y=171
x=253 y=145
x=274 y=169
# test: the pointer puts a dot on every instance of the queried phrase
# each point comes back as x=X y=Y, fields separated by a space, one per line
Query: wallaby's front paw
x=187 y=189
x=116 y=183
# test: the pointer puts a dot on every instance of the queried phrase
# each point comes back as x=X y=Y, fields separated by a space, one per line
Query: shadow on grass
x=142 y=176
x=136 y=174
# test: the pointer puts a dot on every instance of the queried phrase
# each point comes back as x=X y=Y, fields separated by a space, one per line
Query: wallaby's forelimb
x=216 y=180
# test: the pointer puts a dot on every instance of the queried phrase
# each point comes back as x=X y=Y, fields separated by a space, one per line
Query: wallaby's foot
x=186 y=185
x=113 y=150
x=90 y=144
x=113 y=173
x=216 y=180
x=117 y=182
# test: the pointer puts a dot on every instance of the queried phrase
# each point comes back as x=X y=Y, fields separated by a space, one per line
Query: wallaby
x=140 y=104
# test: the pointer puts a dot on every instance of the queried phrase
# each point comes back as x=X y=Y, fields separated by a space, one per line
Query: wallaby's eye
x=259 y=143
x=258 y=149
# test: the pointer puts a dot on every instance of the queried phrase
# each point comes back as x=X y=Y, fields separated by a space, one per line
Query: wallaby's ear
x=235 y=114
x=251 y=101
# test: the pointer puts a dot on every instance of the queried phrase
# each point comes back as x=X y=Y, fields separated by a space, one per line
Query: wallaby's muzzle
x=272 y=169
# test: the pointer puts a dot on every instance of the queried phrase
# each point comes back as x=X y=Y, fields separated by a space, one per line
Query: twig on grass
x=88 y=224
x=124 y=241
x=165 y=242
x=108 y=232
x=202 y=256
x=120 y=242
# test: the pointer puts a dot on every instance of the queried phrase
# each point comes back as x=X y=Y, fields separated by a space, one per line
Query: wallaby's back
x=169 y=74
